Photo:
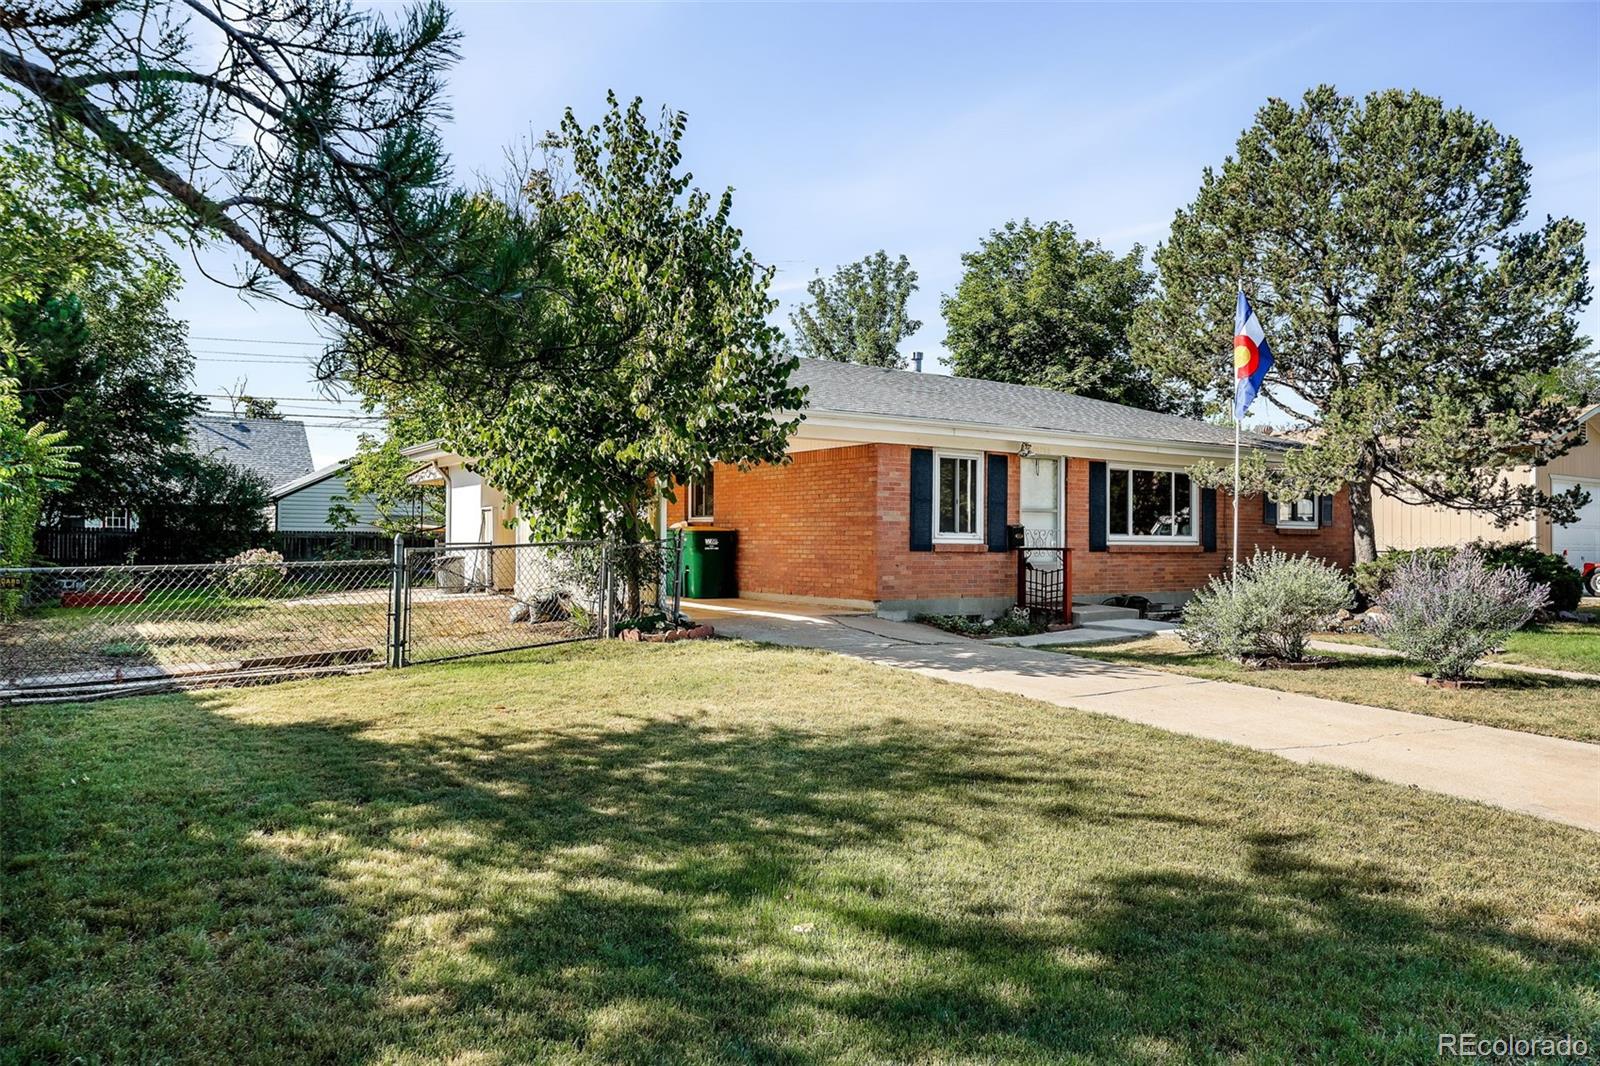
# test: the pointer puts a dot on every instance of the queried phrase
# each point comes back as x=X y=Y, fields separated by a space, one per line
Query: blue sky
x=917 y=129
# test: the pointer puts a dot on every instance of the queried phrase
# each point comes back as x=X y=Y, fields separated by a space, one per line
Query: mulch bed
x=1449 y=682
x=119 y=598
x=701 y=632
x=1267 y=662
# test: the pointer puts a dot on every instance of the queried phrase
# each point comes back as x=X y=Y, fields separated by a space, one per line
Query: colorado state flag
x=1252 y=357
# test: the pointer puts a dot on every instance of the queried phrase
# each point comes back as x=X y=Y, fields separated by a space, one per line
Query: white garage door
x=1578 y=542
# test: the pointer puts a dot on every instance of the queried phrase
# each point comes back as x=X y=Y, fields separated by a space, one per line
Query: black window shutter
x=1324 y=510
x=1269 y=510
x=1208 y=519
x=994 y=502
x=921 y=500
x=1097 y=507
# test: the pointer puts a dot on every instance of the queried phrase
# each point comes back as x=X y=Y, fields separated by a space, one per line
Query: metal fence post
x=605 y=593
x=397 y=603
x=677 y=575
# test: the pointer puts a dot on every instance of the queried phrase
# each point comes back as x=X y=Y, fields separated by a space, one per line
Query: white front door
x=1041 y=505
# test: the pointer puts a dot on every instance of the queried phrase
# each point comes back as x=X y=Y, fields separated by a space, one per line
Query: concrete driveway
x=1543 y=776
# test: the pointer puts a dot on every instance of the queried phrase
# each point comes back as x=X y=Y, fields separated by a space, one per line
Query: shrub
x=1565 y=583
x=1271 y=607
x=1016 y=622
x=1374 y=578
x=1450 y=612
x=253 y=573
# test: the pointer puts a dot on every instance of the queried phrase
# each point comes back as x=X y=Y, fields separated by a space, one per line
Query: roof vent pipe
x=916 y=361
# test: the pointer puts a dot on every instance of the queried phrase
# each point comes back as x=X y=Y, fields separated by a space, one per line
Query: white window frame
x=1285 y=522
x=689 y=494
x=976 y=536
x=1175 y=540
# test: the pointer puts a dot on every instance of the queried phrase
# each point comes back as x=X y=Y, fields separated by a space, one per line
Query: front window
x=1146 y=505
x=1302 y=512
x=960 y=498
x=702 y=501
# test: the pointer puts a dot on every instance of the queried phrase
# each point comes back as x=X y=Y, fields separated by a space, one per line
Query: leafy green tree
x=859 y=314
x=105 y=363
x=690 y=371
x=378 y=472
x=260 y=408
x=35 y=462
x=303 y=134
x=1423 y=336
x=212 y=510
x=1038 y=306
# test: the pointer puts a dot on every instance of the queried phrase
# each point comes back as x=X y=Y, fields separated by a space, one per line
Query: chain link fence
x=83 y=626
x=472 y=599
x=65 y=629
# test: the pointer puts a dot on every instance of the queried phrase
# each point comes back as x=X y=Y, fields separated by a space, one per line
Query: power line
x=252 y=355
x=285 y=399
x=252 y=362
x=261 y=340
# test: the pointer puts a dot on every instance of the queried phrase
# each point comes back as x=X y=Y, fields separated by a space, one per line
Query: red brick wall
x=950 y=569
x=835 y=524
x=804 y=527
x=1141 y=568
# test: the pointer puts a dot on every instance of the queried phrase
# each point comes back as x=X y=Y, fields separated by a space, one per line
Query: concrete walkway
x=1543 y=776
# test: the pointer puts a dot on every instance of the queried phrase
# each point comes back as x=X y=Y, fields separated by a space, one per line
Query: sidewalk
x=1547 y=777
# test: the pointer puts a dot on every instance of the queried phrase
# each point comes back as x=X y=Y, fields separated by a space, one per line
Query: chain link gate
x=89 y=630
x=455 y=601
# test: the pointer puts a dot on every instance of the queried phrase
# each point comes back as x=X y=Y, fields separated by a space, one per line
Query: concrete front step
x=1087 y=613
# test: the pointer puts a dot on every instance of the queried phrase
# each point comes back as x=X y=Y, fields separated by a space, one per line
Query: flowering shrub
x=1271 y=607
x=257 y=572
x=1450 y=612
x=1565 y=582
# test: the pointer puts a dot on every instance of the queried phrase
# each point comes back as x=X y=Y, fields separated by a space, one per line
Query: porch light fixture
x=1024 y=451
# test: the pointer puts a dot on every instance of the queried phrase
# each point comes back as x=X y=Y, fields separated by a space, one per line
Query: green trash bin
x=708 y=572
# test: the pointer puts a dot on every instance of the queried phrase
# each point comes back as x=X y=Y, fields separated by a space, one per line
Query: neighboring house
x=1402 y=524
x=302 y=505
x=900 y=487
x=276 y=449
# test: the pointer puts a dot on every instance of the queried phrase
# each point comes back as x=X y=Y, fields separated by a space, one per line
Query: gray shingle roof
x=277 y=450
x=849 y=388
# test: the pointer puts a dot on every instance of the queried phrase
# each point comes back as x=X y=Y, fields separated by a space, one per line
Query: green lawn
x=1533 y=703
x=1557 y=645
x=713 y=853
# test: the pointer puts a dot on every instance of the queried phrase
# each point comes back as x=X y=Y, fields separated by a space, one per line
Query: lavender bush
x=1451 y=612
x=1271 y=608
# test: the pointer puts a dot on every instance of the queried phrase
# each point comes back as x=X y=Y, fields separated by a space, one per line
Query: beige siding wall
x=1404 y=525
x=1408 y=525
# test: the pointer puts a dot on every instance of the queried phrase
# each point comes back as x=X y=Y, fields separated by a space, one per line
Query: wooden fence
x=111 y=547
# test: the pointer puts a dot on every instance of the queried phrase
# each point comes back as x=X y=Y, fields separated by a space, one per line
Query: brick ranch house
x=900 y=487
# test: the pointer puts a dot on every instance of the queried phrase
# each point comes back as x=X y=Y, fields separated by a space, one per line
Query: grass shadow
x=189 y=881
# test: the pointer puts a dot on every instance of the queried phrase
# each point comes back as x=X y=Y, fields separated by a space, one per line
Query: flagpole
x=1235 y=572
x=1233 y=377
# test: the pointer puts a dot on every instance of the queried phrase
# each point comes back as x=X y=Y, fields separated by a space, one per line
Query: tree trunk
x=635 y=558
x=1363 y=529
